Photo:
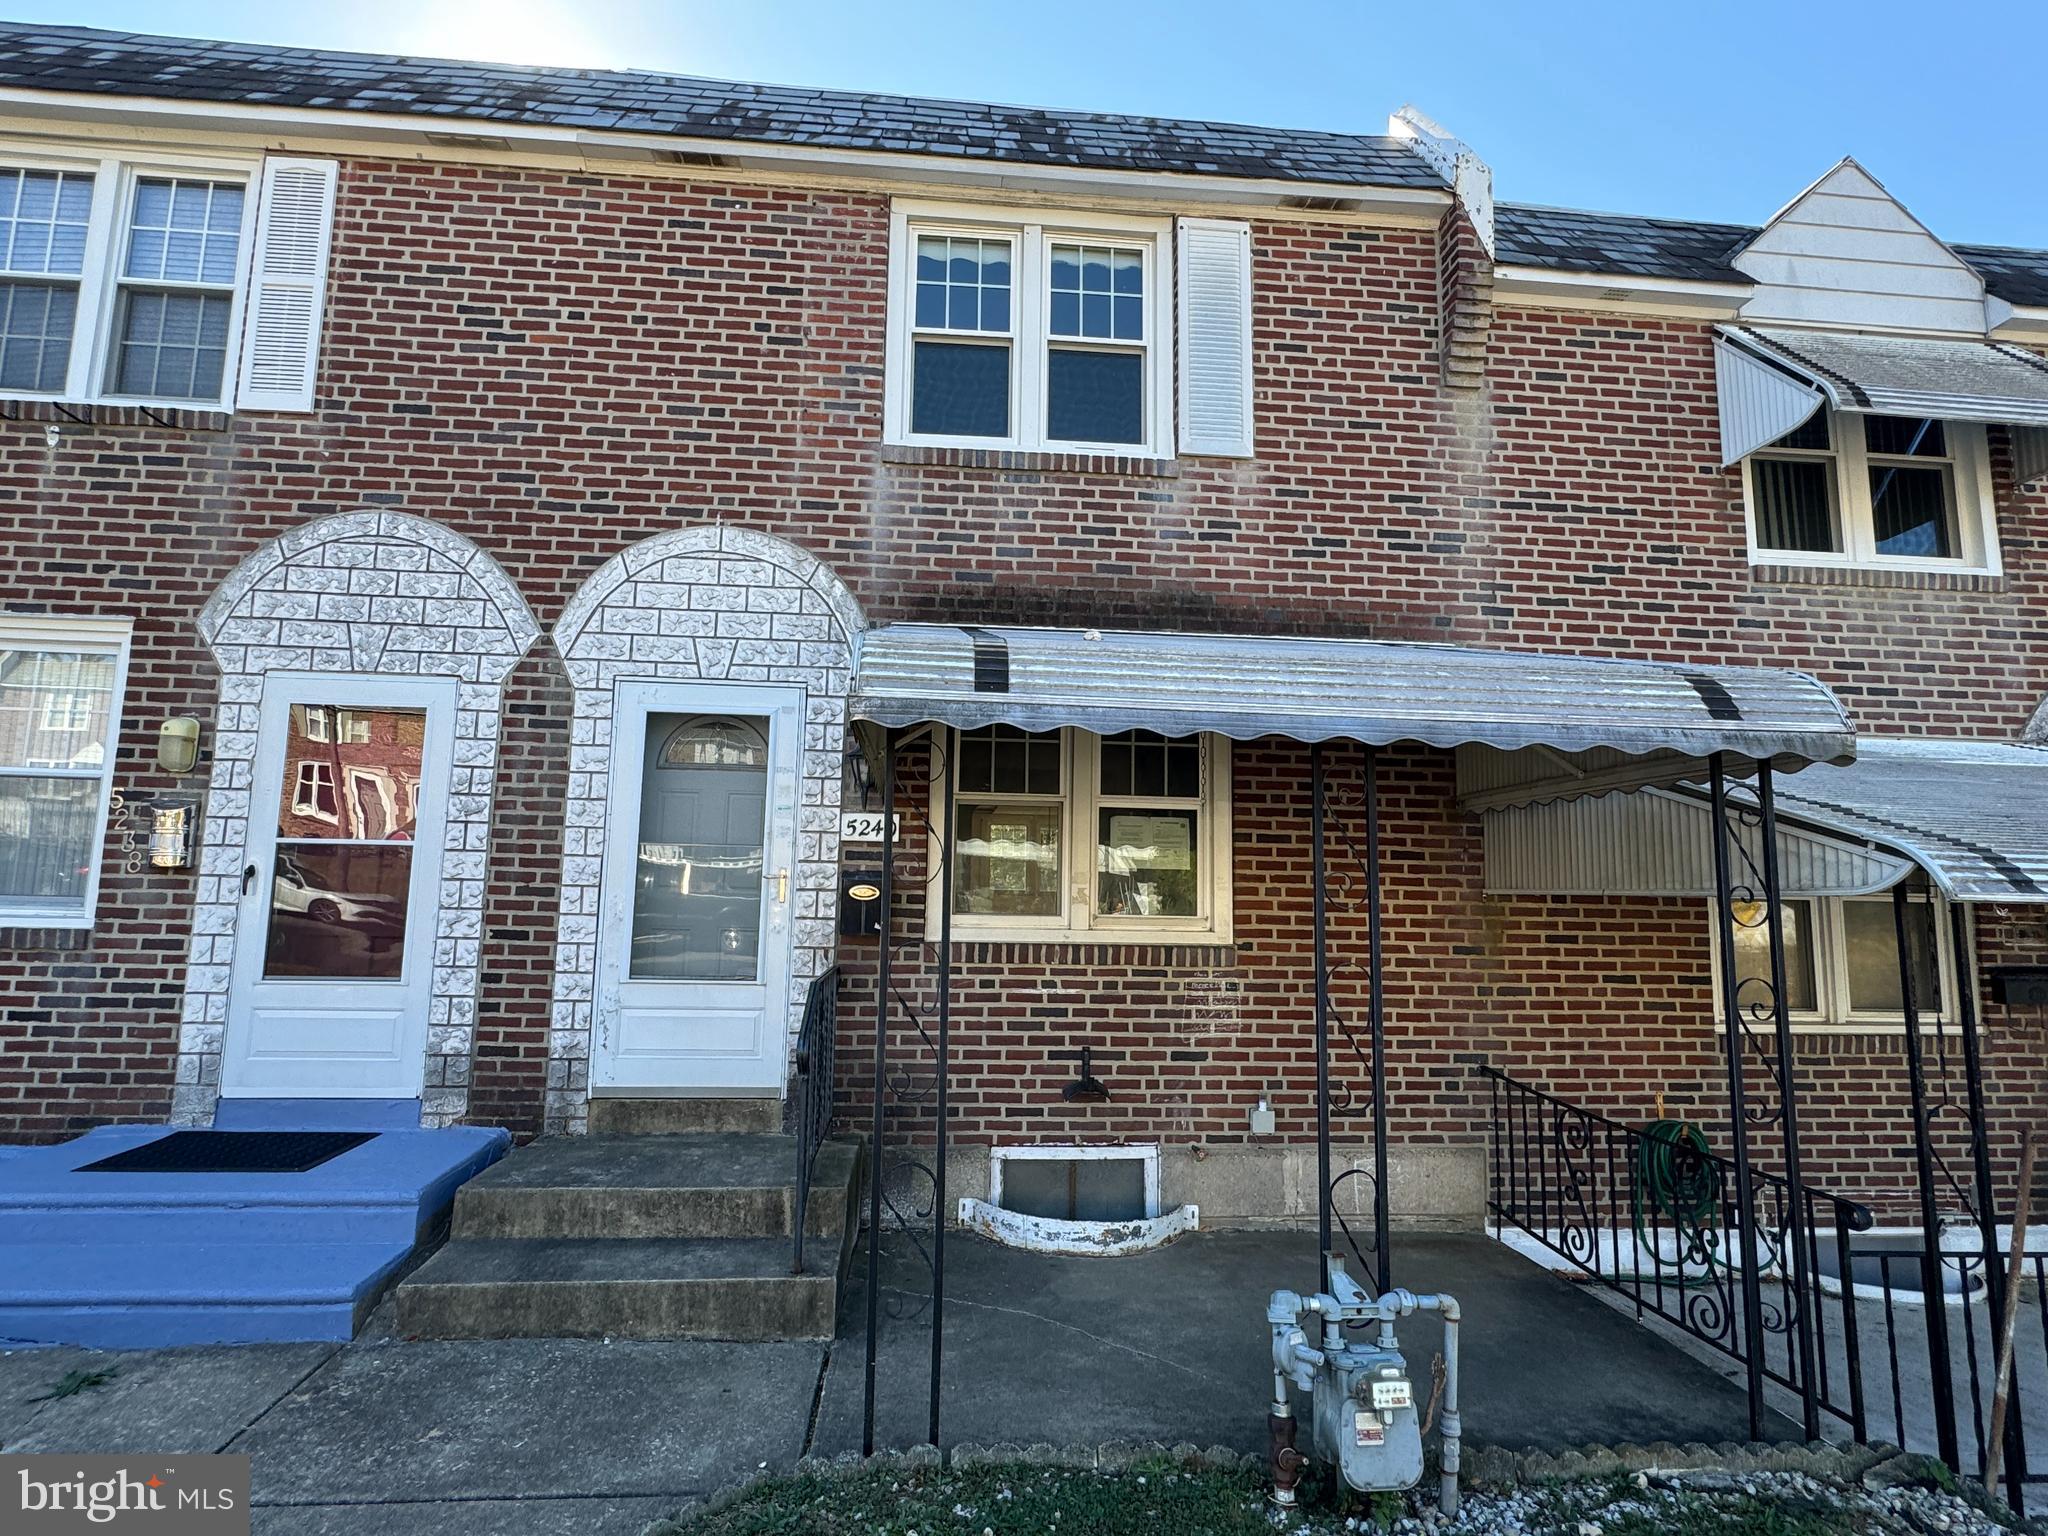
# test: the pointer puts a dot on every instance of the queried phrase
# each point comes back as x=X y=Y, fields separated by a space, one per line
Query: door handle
x=248 y=878
x=781 y=878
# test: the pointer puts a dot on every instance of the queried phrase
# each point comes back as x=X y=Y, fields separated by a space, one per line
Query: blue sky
x=1719 y=109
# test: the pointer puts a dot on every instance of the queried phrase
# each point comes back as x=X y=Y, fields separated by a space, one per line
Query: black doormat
x=232 y=1152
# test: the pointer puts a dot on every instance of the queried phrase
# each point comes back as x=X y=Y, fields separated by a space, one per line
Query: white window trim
x=1077 y=921
x=113 y=204
x=311 y=774
x=106 y=637
x=1834 y=1016
x=1031 y=232
x=1073 y=1152
x=1976 y=509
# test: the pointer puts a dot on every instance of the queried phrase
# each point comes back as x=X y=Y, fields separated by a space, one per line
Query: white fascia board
x=1684 y=298
x=472 y=138
x=2013 y=322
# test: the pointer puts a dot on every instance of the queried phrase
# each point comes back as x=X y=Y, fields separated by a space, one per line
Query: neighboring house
x=530 y=477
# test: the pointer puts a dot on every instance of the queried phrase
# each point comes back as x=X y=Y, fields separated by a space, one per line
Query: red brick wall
x=1603 y=1001
x=557 y=365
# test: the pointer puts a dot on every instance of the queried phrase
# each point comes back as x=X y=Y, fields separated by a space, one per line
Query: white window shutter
x=1216 y=337
x=287 y=285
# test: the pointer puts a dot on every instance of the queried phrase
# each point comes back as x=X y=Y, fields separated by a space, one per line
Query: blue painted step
x=132 y=1260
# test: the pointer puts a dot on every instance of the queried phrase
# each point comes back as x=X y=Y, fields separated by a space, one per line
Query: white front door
x=694 y=917
x=334 y=964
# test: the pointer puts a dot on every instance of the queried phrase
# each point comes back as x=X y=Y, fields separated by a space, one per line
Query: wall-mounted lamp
x=177 y=745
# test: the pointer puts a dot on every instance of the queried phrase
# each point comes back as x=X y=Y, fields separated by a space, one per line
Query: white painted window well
x=1097 y=1201
x=1842 y=961
x=60 y=713
x=1123 y=837
x=132 y=279
x=1873 y=491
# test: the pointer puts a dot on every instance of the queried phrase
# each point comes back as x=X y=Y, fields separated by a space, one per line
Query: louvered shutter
x=287 y=285
x=1216 y=337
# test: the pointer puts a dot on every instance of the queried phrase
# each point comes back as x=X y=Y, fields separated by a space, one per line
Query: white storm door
x=694 y=925
x=334 y=963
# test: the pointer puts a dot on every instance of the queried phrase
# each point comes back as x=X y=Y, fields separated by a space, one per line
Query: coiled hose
x=1677 y=1177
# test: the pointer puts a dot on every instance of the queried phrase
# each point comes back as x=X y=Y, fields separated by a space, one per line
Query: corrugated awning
x=1770 y=379
x=1973 y=814
x=1531 y=726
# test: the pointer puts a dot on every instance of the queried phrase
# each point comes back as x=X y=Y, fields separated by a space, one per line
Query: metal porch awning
x=1528 y=726
x=1972 y=814
x=1771 y=379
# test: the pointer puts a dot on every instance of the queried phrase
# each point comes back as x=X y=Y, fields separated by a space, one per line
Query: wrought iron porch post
x=1797 y=1215
x=1938 y=1366
x=880 y=1119
x=1987 y=1194
x=1738 y=1102
x=1317 y=872
x=942 y=745
x=1377 y=1017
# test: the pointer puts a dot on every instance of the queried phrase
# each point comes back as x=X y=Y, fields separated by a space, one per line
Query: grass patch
x=1170 y=1498
x=1166 y=1499
x=71 y=1383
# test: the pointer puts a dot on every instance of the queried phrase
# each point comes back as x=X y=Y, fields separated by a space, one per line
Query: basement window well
x=1079 y=1200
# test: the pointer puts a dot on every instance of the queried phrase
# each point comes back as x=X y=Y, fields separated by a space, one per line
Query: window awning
x=1770 y=379
x=1529 y=726
x=1973 y=814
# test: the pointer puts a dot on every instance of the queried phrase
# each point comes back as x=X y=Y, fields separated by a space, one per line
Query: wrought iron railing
x=1654 y=1216
x=815 y=1039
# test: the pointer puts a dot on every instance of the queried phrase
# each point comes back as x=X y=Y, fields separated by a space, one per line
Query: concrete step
x=134 y=1260
x=628 y=1288
x=685 y=1117
x=622 y=1187
x=144 y=1296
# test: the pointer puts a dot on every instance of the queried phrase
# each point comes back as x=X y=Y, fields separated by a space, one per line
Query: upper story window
x=163 y=279
x=60 y=711
x=1873 y=490
x=122 y=281
x=1123 y=837
x=1031 y=332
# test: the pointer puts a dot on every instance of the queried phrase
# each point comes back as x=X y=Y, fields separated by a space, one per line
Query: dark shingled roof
x=1572 y=241
x=46 y=58
x=2018 y=277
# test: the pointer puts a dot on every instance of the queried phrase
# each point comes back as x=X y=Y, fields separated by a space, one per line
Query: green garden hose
x=1676 y=1175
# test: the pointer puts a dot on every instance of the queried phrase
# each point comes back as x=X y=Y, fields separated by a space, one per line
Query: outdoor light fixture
x=177 y=745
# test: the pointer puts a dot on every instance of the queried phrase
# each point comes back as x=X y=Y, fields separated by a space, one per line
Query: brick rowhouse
x=556 y=364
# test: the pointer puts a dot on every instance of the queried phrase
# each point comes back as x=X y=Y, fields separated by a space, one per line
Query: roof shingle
x=86 y=60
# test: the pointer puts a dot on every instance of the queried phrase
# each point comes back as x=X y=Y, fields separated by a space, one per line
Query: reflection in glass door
x=703 y=822
x=342 y=873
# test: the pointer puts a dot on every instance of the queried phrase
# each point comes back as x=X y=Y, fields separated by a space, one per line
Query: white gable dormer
x=1846 y=252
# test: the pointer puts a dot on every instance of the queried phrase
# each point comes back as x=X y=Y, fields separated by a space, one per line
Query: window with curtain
x=59 y=714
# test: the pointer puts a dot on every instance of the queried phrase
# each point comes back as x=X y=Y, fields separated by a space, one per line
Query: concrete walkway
x=385 y=1437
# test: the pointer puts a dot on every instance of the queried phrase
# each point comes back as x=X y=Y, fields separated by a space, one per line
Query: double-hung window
x=1031 y=332
x=1125 y=836
x=1845 y=489
x=1842 y=960
x=60 y=712
x=127 y=280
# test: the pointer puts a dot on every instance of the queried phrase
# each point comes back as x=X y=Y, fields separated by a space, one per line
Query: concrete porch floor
x=547 y=1437
x=1172 y=1345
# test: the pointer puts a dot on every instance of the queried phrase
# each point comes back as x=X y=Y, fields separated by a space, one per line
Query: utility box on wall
x=2019 y=986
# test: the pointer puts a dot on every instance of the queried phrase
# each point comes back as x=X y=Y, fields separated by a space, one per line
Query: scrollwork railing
x=815 y=1046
